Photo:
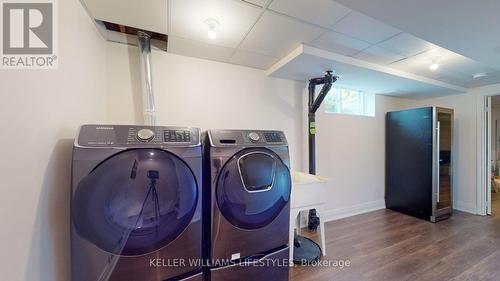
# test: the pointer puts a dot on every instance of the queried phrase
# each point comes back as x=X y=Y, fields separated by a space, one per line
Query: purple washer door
x=135 y=202
x=253 y=187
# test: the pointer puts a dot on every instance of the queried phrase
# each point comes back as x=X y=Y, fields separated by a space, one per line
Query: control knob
x=254 y=137
x=145 y=135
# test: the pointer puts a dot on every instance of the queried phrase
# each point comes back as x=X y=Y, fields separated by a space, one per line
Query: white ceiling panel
x=257 y=2
x=192 y=48
x=251 y=59
x=415 y=63
x=365 y=28
x=423 y=60
x=466 y=27
x=321 y=12
x=339 y=43
x=406 y=45
x=275 y=35
x=306 y=62
x=378 y=55
x=235 y=19
x=134 y=13
x=419 y=65
x=492 y=78
x=453 y=68
x=466 y=66
x=453 y=78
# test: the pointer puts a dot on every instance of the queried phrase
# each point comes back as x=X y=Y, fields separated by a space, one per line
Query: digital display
x=273 y=137
x=177 y=136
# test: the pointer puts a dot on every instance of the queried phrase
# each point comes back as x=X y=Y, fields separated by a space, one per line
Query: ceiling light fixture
x=212 y=28
x=434 y=66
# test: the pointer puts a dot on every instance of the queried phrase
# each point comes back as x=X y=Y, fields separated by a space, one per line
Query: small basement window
x=348 y=101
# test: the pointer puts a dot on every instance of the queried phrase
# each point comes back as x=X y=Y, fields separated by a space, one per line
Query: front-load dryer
x=248 y=205
x=136 y=204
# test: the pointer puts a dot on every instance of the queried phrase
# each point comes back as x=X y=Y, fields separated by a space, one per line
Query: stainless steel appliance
x=247 y=204
x=136 y=204
x=419 y=162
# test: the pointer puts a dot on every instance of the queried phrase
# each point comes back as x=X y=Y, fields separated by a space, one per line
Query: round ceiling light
x=434 y=66
x=212 y=28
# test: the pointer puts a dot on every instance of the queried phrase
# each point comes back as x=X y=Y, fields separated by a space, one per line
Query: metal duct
x=148 y=98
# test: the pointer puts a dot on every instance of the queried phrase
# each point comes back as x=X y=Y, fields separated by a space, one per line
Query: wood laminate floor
x=386 y=245
x=495 y=204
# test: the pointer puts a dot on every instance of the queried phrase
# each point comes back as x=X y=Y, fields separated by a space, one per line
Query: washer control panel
x=122 y=135
x=254 y=137
x=145 y=135
x=247 y=137
x=177 y=136
x=273 y=137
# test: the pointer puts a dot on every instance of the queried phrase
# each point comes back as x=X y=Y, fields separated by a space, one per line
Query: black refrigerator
x=419 y=162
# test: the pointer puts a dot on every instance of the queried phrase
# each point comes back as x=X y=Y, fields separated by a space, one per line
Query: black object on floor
x=305 y=250
x=313 y=220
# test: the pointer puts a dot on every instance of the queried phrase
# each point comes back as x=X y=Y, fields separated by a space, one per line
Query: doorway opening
x=493 y=154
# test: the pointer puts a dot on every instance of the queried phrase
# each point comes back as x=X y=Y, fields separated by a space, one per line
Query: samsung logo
x=104 y=128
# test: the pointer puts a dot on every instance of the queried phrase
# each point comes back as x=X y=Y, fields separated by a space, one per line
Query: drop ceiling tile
x=466 y=66
x=251 y=59
x=454 y=68
x=448 y=61
x=235 y=19
x=492 y=78
x=419 y=65
x=378 y=55
x=339 y=43
x=275 y=35
x=134 y=13
x=192 y=48
x=406 y=45
x=454 y=79
x=365 y=28
x=321 y=12
x=257 y=2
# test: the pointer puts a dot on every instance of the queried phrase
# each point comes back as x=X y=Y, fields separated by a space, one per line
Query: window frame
x=334 y=102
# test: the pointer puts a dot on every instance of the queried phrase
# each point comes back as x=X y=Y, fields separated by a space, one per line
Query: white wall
x=205 y=94
x=465 y=136
x=39 y=115
x=351 y=153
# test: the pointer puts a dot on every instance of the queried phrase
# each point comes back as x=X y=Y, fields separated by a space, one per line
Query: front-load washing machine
x=136 y=204
x=248 y=205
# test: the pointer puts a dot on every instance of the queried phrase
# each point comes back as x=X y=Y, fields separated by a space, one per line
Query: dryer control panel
x=247 y=138
x=123 y=135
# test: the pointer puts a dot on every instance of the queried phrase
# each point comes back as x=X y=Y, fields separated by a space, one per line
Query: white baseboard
x=335 y=214
x=465 y=207
x=345 y=212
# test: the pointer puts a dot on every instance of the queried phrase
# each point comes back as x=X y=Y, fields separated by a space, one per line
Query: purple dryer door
x=253 y=188
x=135 y=202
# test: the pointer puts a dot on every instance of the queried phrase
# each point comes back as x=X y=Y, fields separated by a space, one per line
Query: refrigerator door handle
x=438 y=156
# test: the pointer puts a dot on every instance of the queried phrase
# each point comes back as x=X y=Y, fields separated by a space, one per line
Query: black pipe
x=312 y=130
x=314 y=104
x=322 y=94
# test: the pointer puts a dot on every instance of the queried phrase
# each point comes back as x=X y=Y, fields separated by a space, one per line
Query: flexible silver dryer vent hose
x=148 y=97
